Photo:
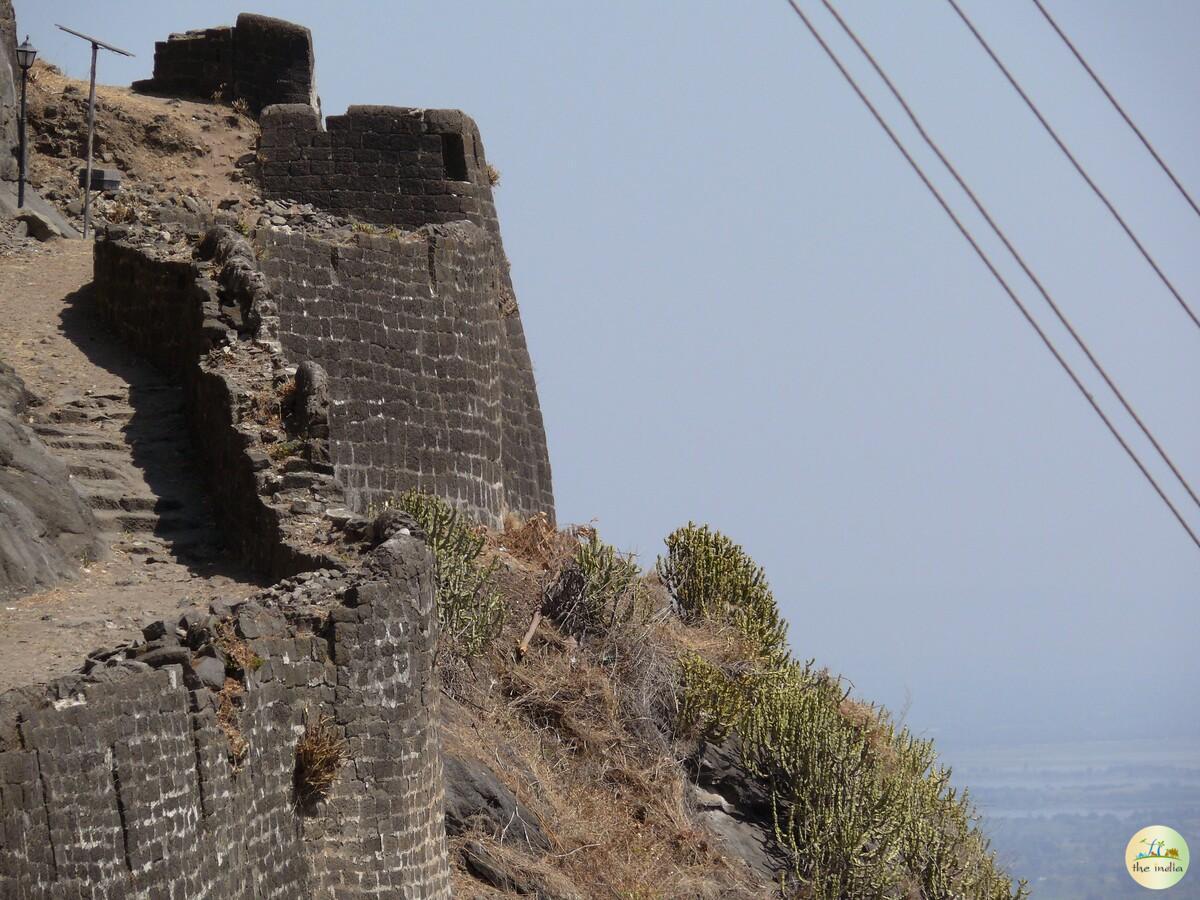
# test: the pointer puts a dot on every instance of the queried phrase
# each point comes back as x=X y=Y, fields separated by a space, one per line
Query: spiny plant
x=712 y=578
x=862 y=808
x=469 y=609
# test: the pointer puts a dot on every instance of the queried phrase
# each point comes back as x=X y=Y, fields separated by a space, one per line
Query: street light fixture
x=26 y=54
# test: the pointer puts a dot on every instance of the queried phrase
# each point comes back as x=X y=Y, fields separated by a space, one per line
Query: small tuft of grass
x=239 y=658
x=320 y=754
x=493 y=175
x=281 y=450
x=229 y=701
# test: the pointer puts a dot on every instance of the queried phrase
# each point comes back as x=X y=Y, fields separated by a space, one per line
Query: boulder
x=475 y=797
x=736 y=807
x=39 y=227
x=46 y=529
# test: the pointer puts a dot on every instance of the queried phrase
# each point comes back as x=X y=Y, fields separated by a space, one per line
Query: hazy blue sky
x=744 y=309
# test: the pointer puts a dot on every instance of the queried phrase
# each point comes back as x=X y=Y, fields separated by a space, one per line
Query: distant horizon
x=744 y=310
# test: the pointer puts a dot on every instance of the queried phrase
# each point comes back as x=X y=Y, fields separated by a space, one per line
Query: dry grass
x=320 y=754
x=580 y=734
x=235 y=649
x=266 y=406
x=534 y=541
x=228 y=720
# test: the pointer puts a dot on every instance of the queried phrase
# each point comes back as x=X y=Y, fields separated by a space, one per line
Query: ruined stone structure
x=9 y=91
x=172 y=312
x=431 y=383
x=386 y=164
x=260 y=60
x=443 y=398
x=325 y=370
x=128 y=780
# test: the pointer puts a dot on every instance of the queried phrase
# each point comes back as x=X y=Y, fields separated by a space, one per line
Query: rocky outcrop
x=735 y=805
x=46 y=529
x=8 y=91
x=476 y=798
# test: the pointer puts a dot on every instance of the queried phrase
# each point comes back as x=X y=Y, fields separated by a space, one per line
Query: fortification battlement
x=260 y=60
x=389 y=165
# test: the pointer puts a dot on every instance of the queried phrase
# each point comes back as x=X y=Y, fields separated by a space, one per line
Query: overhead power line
x=1059 y=314
x=1117 y=106
x=1078 y=168
x=836 y=60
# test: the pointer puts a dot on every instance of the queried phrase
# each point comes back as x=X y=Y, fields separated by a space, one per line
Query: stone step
x=59 y=429
x=198 y=542
x=116 y=415
x=91 y=442
x=96 y=471
x=106 y=497
x=141 y=521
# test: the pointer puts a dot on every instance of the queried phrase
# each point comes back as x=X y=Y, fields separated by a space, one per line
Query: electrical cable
x=1078 y=168
x=1117 y=106
x=1009 y=246
x=992 y=268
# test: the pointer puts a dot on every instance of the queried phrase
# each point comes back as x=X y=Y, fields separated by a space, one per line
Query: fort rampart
x=146 y=777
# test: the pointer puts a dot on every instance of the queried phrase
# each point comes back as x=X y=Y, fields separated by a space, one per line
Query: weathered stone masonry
x=9 y=91
x=260 y=60
x=119 y=783
x=431 y=382
x=391 y=165
x=431 y=378
x=170 y=313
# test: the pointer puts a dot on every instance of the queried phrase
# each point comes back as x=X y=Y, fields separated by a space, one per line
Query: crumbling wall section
x=430 y=381
x=260 y=60
x=148 y=776
x=193 y=64
x=272 y=500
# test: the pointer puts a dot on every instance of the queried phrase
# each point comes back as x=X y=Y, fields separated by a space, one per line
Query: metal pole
x=87 y=186
x=24 y=155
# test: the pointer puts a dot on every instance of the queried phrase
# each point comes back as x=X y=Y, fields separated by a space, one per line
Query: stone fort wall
x=418 y=327
x=260 y=60
x=122 y=783
x=389 y=165
x=431 y=382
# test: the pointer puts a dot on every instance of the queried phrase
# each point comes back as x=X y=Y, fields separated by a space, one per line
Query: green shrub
x=469 y=609
x=712 y=578
x=862 y=808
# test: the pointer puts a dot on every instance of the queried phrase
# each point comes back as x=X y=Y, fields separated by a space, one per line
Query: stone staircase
x=129 y=453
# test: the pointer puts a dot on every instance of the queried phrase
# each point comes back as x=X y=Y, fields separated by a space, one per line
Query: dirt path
x=118 y=425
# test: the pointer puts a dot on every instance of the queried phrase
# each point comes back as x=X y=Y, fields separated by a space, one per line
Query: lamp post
x=26 y=54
